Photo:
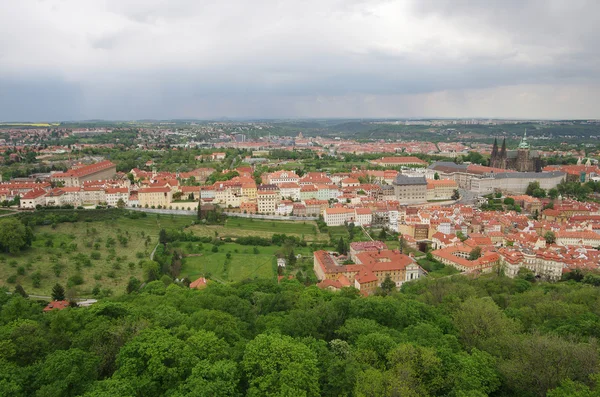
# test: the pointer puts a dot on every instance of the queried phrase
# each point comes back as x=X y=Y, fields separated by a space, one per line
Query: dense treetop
x=447 y=337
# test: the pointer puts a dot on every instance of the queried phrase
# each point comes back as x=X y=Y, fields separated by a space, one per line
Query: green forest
x=458 y=336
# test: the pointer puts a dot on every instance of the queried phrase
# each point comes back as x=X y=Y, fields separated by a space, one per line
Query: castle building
x=523 y=159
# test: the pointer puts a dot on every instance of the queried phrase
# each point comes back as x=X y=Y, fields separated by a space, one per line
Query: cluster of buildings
x=563 y=238
x=483 y=180
x=365 y=267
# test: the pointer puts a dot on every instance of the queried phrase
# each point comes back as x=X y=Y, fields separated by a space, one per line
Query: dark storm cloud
x=156 y=59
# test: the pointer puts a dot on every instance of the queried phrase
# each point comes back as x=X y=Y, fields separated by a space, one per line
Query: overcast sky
x=159 y=59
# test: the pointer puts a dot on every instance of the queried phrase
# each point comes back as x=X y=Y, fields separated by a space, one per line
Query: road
x=467 y=197
x=231 y=214
x=80 y=301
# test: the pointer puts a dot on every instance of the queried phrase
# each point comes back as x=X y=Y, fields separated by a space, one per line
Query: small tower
x=578 y=160
x=588 y=162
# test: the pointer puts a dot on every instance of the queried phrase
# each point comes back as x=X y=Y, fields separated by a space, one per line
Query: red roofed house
x=399 y=161
x=77 y=175
x=198 y=284
x=370 y=270
x=56 y=305
x=33 y=198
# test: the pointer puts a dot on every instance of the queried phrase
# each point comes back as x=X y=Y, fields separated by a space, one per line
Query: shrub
x=74 y=280
x=95 y=255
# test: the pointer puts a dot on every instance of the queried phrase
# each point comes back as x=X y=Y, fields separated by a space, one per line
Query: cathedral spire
x=495 y=148
x=524 y=144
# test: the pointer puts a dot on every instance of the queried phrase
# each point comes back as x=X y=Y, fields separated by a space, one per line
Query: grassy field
x=242 y=227
x=338 y=231
x=297 y=227
x=4 y=212
x=86 y=254
x=105 y=254
x=243 y=262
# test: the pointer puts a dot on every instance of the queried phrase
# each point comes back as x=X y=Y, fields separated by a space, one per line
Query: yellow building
x=155 y=196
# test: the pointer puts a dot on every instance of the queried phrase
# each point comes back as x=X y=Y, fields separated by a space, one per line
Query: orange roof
x=155 y=190
x=117 y=190
x=199 y=283
x=333 y=211
x=402 y=160
x=87 y=169
x=32 y=194
x=56 y=305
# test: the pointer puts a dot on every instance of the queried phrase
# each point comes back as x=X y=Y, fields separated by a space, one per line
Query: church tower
x=523 y=155
x=502 y=155
x=494 y=155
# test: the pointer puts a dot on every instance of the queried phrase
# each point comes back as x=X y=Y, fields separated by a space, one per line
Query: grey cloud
x=187 y=58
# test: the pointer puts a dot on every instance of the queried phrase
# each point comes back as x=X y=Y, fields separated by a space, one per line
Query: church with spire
x=523 y=159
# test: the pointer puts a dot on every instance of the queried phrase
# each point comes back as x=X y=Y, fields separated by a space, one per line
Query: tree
x=277 y=365
x=21 y=291
x=162 y=237
x=341 y=247
x=382 y=235
x=550 y=237
x=219 y=379
x=133 y=285
x=436 y=176
x=155 y=361
x=539 y=193
x=455 y=195
x=13 y=235
x=388 y=285
x=475 y=253
x=58 y=292
x=480 y=319
x=120 y=203
x=67 y=373
x=553 y=193
x=532 y=187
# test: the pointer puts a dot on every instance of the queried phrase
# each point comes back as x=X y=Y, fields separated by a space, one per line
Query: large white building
x=516 y=182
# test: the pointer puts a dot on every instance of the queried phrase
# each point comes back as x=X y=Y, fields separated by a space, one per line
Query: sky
x=174 y=59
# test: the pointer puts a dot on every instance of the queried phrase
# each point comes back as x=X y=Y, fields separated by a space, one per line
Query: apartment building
x=410 y=189
x=267 y=201
x=78 y=174
x=279 y=177
x=442 y=189
x=290 y=190
x=155 y=196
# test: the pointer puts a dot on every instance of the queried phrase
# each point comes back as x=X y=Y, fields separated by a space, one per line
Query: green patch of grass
x=81 y=248
x=5 y=212
x=339 y=231
x=436 y=269
x=283 y=227
x=242 y=264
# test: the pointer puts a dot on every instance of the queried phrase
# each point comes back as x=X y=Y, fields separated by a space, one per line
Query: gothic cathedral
x=523 y=159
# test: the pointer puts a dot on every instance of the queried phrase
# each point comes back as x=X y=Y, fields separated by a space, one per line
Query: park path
x=10 y=214
x=80 y=301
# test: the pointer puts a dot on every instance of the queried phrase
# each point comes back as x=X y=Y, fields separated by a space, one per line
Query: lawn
x=86 y=254
x=293 y=227
x=243 y=227
x=243 y=263
x=4 y=212
x=339 y=231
